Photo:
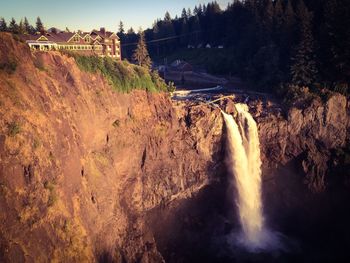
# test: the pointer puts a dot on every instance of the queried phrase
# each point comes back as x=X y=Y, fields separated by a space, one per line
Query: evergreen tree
x=196 y=11
x=131 y=31
x=289 y=21
x=267 y=20
x=278 y=17
x=184 y=33
x=184 y=14
x=189 y=12
x=167 y=16
x=13 y=27
x=338 y=36
x=27 y=27
x=3 y=25
x=156 y=36
x=195 y=30
x=304 y=70
x=121 y=28
x=21 y=27
x=39 y=25
x=141 y=56
x=200 y=10
x=204 y=9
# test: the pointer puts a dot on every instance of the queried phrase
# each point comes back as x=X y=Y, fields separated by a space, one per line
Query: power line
x=162 y=39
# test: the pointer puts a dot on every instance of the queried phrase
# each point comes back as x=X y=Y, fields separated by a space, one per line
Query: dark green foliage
x=121 y=75
x=27 y=26
x=3 y=25
x=141 y=56
x=304 y=70
x=121 y=28
x=13 y=129
x=337 y=20
x=13 y=27
x=298 y=96
x=260 y=38
x=39 y=27
x=21 y=28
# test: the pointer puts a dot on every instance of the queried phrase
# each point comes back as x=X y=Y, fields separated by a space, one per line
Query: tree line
x=23 y=27
x=268 y=42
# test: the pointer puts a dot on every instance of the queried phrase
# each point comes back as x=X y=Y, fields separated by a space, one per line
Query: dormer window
x=76 y=39
x=87 y=39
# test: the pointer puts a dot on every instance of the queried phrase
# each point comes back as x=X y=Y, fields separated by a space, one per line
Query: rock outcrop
x=307 y=134
x=81 y=164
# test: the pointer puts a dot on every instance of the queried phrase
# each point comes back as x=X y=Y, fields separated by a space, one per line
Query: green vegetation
x=13 y=129
x=141 y=56
x=267 y=43
x=121 y=75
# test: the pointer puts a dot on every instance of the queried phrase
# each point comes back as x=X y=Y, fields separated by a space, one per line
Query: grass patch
x=13 y=129
x=121 y=75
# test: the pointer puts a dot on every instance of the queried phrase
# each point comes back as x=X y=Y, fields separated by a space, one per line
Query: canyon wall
x=308 y=135
x=81 y=165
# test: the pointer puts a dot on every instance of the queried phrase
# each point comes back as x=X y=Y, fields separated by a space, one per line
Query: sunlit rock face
x=81 y=164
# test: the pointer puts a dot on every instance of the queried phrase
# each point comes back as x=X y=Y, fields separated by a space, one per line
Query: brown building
x=102 y=42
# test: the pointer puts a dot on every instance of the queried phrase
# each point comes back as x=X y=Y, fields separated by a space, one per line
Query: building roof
x=103 y=34
x=67 y=36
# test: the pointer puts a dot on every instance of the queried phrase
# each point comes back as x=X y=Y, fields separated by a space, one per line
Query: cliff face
x=81 y=165
x=308 y=135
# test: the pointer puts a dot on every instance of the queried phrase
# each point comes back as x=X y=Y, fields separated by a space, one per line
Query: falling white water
x=243 y=161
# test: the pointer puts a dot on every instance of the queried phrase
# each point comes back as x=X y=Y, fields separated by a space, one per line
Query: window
x=76 y=39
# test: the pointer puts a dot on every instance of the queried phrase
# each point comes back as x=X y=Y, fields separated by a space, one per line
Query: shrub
x=121 y=75
x=13 y=129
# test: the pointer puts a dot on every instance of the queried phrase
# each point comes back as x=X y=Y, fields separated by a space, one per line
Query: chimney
x=103 y=30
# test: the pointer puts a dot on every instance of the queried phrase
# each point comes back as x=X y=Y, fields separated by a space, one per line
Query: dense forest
x=274 y=45
x=303 y=43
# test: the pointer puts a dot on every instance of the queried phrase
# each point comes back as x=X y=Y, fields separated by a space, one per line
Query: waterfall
x=243 y=161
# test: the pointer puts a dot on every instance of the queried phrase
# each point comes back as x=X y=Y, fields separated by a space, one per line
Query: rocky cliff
x=306 y=134
x=81 y=165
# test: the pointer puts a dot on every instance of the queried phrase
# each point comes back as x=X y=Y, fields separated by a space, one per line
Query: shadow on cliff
x=317 y=223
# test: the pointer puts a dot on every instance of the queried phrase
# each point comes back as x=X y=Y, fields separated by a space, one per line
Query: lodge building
x=101 y=43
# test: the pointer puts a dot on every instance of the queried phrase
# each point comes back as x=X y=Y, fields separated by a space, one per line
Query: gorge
x=88 y=174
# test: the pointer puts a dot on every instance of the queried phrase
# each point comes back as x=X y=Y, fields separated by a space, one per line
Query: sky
x=93 y=14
